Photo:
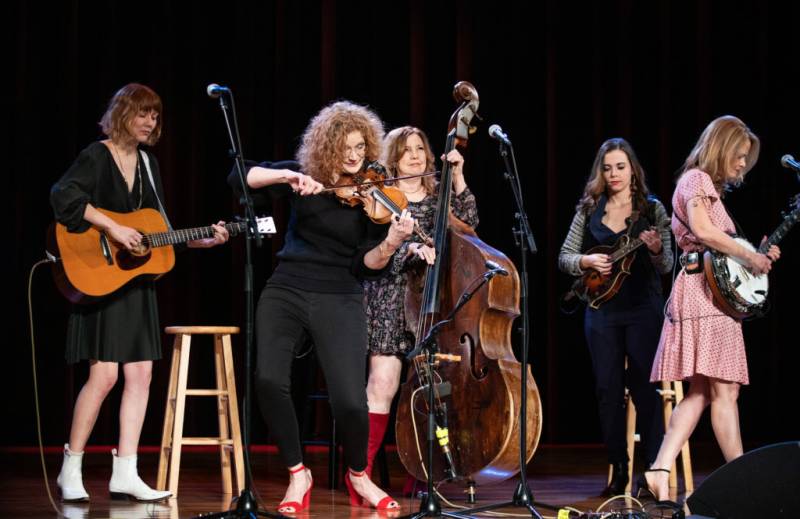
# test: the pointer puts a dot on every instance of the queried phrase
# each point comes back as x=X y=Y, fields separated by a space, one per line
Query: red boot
x=377 y=430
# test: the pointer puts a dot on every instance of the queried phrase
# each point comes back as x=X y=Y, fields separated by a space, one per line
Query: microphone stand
x=246 y=503
x=430 y=506
x=523 y=237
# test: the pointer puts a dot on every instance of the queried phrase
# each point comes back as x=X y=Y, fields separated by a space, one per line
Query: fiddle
x=380 y=202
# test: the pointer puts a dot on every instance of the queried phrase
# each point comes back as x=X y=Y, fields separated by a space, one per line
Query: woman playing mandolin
x=407 y=152
x=616 y=209
x=699 y=342
x=114 y=174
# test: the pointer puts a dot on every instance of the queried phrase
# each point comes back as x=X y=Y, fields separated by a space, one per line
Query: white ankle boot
x=126 y=484
x=70 y=480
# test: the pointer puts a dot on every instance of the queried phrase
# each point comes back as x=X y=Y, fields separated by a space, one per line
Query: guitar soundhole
x=128 y=261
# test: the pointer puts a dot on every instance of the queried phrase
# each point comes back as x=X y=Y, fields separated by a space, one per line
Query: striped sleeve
x=569 y=257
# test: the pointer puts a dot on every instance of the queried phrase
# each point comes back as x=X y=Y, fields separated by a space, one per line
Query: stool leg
x=233 y=412
x=169 y=416
x=222 y=416
x=180 y=406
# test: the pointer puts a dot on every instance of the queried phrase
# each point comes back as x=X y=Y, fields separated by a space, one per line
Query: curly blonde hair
x=129 y=101
x=322 y=151
x=717 y=147
x=394 y=146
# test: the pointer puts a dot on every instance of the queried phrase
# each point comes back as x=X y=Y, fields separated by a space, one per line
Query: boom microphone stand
x=430 y=506
x=522 y=497
x=246 y=504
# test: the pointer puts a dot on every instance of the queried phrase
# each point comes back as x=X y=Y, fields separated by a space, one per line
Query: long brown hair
x=716 y=148
x=321 y=153
x=596 y=185
x=128 y=102
x=394 y=146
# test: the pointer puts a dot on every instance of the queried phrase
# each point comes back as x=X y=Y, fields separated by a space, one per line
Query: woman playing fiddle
x=315 y=292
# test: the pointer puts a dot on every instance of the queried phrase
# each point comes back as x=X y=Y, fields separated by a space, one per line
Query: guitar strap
x=146 y=161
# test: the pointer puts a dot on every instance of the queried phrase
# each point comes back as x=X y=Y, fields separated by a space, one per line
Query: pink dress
x=697 y=338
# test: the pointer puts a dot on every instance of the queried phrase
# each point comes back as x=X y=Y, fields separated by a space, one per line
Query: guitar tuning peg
x=472 y=129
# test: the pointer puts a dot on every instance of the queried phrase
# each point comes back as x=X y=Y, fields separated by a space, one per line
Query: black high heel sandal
x=642 y=487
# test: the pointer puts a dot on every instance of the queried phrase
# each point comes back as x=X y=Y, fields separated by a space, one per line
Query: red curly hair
x=322 y=151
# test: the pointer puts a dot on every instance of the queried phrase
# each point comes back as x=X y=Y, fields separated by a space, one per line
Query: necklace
x=137 y=172
x=420 y=188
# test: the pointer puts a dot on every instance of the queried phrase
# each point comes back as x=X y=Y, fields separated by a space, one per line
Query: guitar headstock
x=266 y=225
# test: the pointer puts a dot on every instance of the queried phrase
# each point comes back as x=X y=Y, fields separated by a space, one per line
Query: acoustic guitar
x=92 y=265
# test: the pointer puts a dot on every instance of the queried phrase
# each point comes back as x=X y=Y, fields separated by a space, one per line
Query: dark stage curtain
x=559 y=78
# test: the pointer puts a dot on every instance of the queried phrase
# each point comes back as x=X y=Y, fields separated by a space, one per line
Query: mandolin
x=594 y=288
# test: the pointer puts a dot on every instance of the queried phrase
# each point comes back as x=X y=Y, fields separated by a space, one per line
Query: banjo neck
x=783 y=229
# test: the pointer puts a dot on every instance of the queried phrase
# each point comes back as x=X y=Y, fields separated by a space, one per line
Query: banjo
x=736 y=290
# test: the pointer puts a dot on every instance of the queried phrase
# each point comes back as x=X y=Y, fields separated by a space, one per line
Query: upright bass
x=477 y=378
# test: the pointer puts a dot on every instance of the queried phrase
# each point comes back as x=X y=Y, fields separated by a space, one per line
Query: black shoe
x=643 y=491
x=619 y=480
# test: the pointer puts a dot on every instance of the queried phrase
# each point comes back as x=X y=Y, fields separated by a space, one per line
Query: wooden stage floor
x=558 y=475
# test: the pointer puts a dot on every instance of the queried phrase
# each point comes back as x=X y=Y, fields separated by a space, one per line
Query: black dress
x=123 y=327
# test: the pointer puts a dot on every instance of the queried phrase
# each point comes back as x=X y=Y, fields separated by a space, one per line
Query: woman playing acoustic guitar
x=616 y=206
x=123 y=328
x=699 y=342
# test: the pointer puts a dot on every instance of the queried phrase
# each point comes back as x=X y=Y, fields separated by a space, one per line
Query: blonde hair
x=596 y=185
x=322 y=151
x=717 y=147
x=126 y=104
x=394 y=146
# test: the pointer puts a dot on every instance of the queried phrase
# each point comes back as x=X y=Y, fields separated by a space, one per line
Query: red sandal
x=387 y=503
x=293 y=507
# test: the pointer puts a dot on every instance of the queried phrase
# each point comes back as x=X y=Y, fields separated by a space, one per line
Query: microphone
x=788 y=162
x=495 y=268
x=495 y=132
x=214 y=90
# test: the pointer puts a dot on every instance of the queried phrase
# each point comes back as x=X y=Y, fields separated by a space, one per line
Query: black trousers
x=612 y=335
x=285 y=318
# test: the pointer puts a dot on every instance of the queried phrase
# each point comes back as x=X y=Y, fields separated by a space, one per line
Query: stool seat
x=202 y=330
x=230 y=438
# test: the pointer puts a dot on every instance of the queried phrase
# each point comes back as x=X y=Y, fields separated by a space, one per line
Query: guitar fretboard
x=160 y=239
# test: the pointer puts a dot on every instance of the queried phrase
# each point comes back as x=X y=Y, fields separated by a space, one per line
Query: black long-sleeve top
x=325 y=242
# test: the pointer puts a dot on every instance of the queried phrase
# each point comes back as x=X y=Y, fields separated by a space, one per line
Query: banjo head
x=745 y=290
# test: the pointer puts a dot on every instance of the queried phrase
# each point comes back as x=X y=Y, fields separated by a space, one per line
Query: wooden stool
x=227 y=408
x=671 y=395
